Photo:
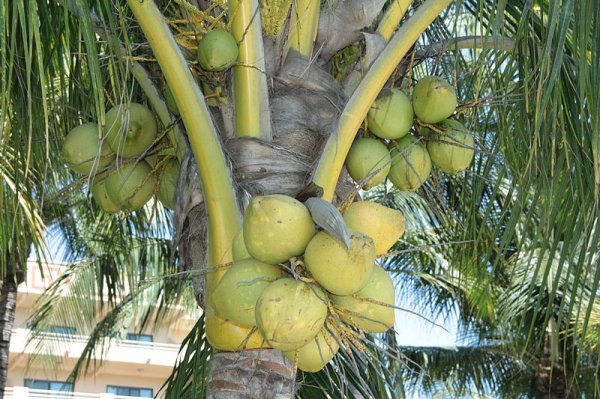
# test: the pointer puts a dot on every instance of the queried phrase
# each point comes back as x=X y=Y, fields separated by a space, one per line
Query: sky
x=413 y=330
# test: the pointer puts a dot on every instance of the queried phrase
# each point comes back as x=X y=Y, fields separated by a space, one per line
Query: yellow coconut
x=289 y=313
x=226 y=336
x=131 y=185
x=239 y=250
x=315 y=355
x=234 y=298
x=453 y=150
x=101 y=197
x=81 y=149
x=130 y=129
x=340 y=270
x=369 y=162
x=276 y=228
x=411 y=164
x=370 y=309
x=384 y=225
x=434 y=99
x=167 y=183
x=391 y=115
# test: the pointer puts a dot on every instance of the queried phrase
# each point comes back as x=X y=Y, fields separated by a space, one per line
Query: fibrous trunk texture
x=8 y=302
x=263 y=374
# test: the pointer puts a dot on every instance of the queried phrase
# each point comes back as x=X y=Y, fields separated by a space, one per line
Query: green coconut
x=368 y=161
x=167 y=183
x=452 y=151
x=130 y=129
x=370 y=309
x=315 y=355
x=131 y=185
x=384 y=225
x=340 y=270
x=234 y=298
x=239 y=250
x=101 y=197
x=276 y=228
x=411 y=164
x=170 y=100
x=217 y=50
x=434 y=99
x=391 y=115
x=289 y=313
x=82 y=152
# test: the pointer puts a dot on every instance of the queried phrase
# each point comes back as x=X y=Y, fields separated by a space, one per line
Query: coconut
x=167 y=183
x=368 y=161
x=391 y=115
x=384 y=225
x=130 y=129
x=313 y=356
x=411 y=164
x=226 y=336
x=236 y=294
x=239 y=250
x=289 y=313
x=131 y=186
x=217 y=50
x=82 y=152
x=276 y=228
x=452 y=151
x=370 y=309
x=101 y=197
x=340 y=270
x=434 y=99
x=170 y=100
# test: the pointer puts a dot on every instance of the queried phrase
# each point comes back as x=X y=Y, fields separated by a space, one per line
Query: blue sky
x=413 y=330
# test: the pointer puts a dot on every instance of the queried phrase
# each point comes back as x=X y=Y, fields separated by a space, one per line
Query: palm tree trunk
x=550 y=380
x=252 y=374
x=8 y=302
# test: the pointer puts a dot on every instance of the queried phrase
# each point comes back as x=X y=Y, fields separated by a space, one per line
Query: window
x=49 y=385
x=130 y=391
x=139 y=337
x=63 y=330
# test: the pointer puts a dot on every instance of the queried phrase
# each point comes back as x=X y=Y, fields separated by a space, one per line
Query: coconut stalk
x=224 y=217
x=251 y=100
x=334 y=154
x=304 y=24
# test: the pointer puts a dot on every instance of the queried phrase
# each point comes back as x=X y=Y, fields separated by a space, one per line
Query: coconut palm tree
x=282 y=121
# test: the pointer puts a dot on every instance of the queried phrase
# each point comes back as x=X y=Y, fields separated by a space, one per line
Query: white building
x=135 y=367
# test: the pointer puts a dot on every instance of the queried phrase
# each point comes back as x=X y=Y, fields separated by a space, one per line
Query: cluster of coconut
x=126 y=185
x=402 y=157
x=300 y=290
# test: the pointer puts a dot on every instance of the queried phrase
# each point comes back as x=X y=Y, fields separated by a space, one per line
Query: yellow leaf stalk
x=304 y=24
x=252 y=113
x=392 y=17
x=224 y=217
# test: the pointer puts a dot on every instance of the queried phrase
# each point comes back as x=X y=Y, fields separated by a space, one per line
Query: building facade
x=136 y=366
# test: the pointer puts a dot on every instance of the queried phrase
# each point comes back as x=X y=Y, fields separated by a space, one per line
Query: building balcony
x=27 y=393
x=71 y=347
